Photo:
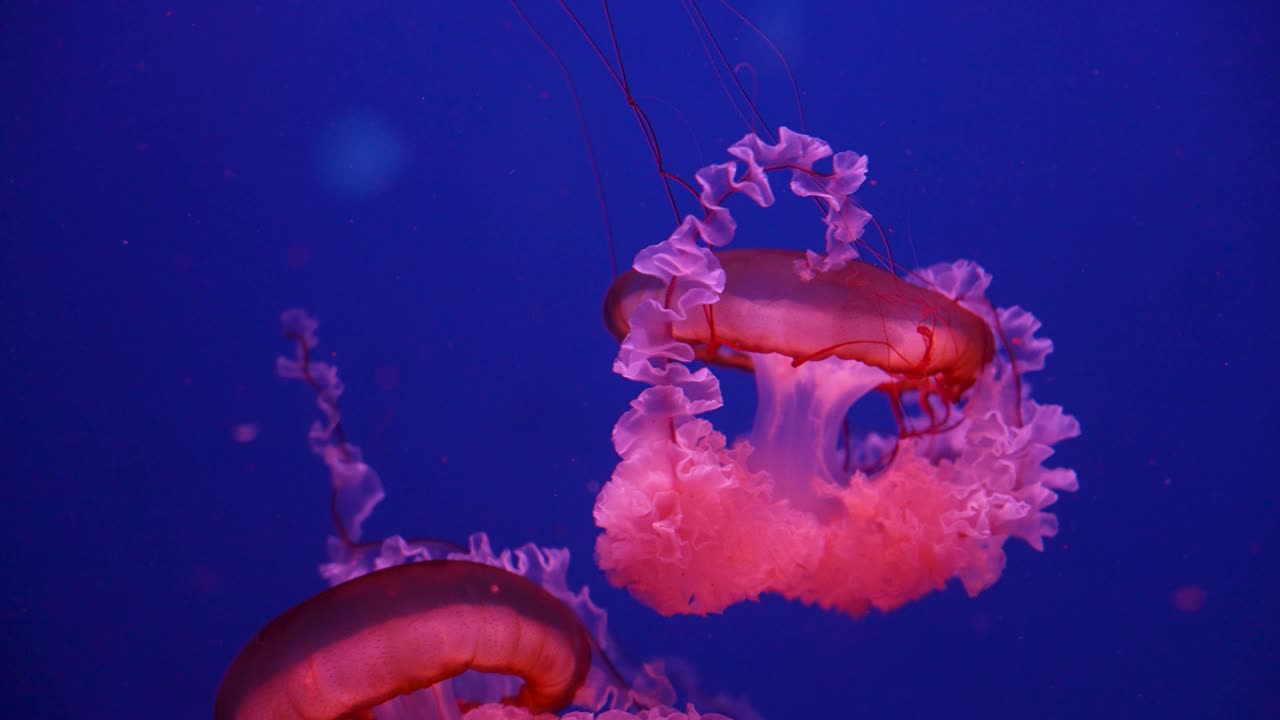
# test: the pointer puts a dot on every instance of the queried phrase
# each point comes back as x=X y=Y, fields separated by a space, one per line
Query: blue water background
x=175 y=175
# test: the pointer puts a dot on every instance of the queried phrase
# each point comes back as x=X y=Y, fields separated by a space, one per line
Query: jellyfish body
x=693 y=524
x=393 y=631
x=403 y=614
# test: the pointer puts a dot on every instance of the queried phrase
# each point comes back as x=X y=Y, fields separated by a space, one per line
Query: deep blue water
x=415 y=175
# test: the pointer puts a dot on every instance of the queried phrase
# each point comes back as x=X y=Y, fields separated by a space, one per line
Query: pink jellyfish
x=404 y=628
x=427 y=629
x=692 y=523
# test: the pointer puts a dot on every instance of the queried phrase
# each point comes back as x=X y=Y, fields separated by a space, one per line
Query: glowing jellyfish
x=693 y=524
x=404 y=628
x=426 y=629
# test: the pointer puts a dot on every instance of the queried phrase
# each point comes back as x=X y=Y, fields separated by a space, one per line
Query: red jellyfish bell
x=693 y=525
x=391 y=632
x=856 y=312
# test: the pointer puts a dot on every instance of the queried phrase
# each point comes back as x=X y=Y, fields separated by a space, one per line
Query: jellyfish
x=427 y=629
x=400 y=629
x=801 y=507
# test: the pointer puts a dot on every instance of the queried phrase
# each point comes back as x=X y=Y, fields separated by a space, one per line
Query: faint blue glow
x=360 y=153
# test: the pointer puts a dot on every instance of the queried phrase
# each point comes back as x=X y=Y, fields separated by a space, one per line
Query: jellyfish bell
x=391 y=632
x=856 y=312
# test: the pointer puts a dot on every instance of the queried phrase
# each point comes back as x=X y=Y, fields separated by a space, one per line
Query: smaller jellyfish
x=364 y=642
x=424 y=629
x=801 y=507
